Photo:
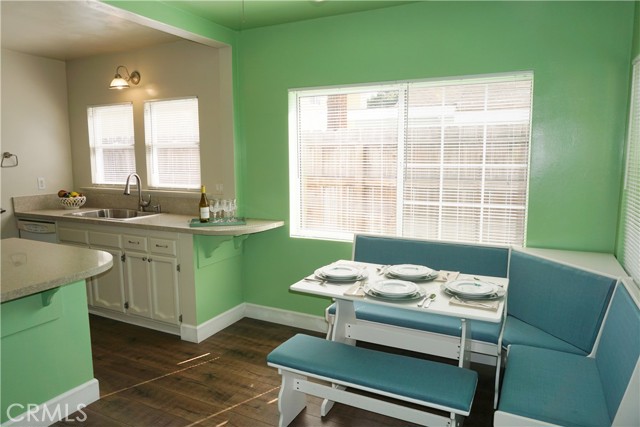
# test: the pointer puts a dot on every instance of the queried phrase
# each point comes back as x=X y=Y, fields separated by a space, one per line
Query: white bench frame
x=296 y=386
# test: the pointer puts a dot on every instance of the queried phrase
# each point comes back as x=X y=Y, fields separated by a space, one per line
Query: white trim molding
x=286 y=317
x=58 y=408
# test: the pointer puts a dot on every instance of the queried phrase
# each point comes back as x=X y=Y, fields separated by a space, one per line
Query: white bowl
x=72 y=202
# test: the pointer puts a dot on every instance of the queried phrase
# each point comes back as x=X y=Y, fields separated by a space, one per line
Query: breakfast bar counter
x=30 y=267
x=47 y=367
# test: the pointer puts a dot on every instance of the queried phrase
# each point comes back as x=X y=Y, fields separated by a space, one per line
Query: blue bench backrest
x=619 y=347
x=566 y=302
x=467 y=258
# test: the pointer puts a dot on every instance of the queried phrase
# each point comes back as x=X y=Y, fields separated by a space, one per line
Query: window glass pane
x=442 y=160
x=630 y=256
x=172 y=136
x=112 y=143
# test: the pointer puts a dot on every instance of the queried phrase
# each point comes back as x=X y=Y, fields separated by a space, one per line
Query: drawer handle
x=162 y=246
x=134 y=242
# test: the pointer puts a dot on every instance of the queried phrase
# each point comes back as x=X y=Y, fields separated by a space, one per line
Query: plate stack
x=340 y=273
x=394 y=289
x=473 y=289
x=411 y=272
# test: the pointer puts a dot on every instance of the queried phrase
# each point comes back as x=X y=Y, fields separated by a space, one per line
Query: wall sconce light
x=120 y=82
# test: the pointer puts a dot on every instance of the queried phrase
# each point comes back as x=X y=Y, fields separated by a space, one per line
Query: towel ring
x=7 y=155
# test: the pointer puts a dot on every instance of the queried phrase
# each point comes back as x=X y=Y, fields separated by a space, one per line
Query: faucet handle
x=144 y=203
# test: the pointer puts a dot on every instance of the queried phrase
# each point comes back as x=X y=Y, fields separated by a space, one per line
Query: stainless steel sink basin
x=112 y=214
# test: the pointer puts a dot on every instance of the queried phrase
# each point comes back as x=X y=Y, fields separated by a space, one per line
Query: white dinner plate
x=470 y=288
x=420 y=293
x=410 y=271
x=339 y=272
x=394 y=288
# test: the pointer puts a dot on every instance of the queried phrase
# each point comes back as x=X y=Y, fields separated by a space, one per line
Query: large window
x=432 y=159
x=172 y=136
x=112 y=143
x=631 y=202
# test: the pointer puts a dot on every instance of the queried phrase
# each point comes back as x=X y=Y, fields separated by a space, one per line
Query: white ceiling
x=66 y=30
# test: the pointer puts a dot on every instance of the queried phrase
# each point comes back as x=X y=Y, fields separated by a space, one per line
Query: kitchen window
x=111 y=143
x=446 y=159
x=630 y=256
x=172 y=137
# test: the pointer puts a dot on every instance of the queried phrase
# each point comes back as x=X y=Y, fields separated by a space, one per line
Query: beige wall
x=171 y=70
x=35 y=127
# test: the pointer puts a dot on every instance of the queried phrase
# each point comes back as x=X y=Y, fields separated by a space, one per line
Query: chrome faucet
x=127 y=191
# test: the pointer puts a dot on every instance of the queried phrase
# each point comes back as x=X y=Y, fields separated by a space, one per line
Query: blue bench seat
x=427 y=383
x=518 y=332
x=423 y=321
x=545 y=386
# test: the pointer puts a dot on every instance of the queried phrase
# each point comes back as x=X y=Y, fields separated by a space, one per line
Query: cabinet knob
x=144 y=258
x=149 y=260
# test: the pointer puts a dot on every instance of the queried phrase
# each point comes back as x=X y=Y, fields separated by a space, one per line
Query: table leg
x=345 y=315
x=465 y=345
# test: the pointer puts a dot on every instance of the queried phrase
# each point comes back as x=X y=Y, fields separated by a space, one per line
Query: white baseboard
x=286 y=317
x=56 y=409
x=209 y=328
x=138 y=321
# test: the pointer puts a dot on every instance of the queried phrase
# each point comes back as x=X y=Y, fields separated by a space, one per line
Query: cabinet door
x=137 y=284
x=107 y=289
x=164 y=289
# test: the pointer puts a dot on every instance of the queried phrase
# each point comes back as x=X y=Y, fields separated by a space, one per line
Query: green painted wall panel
x=218 y=275
x=579 y=53
x=52 y=356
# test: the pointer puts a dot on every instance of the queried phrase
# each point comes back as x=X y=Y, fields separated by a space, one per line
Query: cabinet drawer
x=137 y=243
x=162 y=246
x=104 y=239
x=73 y=235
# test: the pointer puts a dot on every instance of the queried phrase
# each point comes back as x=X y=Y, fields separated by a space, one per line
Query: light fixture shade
x=118 y=83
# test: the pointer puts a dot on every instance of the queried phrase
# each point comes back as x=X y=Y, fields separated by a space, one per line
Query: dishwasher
x=42 y=231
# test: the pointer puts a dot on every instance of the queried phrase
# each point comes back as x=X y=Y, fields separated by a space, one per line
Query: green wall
x=45 y=350
x=579 y=53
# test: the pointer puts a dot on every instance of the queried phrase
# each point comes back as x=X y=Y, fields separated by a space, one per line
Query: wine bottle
x=204 y=205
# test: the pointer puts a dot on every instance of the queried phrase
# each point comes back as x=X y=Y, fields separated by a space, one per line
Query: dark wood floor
x=149 y=378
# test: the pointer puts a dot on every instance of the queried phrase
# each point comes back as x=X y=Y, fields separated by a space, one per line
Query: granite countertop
x=30 y=267
x=159 y=222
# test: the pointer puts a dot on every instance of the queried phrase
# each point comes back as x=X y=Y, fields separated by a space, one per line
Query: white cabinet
x=107 y=289
x=144 y=281
x=151 y=277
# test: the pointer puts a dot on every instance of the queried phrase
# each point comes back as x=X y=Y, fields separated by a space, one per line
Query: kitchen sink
x=112 y=214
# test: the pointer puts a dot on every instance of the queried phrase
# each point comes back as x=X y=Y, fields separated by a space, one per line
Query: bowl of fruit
x=71 y=199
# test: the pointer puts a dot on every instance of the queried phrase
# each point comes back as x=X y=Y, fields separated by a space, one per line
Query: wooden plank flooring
x=149 y=378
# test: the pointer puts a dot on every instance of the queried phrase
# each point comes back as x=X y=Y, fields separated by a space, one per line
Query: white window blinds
x=441 y=160
x=631 y=202
x=172 y=137
x=112 y=143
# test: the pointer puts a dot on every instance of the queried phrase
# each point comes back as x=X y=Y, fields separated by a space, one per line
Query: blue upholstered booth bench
x=340 y=368
x=552 y=386
x=550 y=304
x=554 y=305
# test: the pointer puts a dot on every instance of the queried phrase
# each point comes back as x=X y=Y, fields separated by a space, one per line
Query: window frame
x=297 y=231
x=630 y=203
x=151 y=149
x=94 y=148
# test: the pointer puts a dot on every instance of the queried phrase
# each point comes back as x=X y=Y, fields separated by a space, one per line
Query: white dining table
x=347 y=329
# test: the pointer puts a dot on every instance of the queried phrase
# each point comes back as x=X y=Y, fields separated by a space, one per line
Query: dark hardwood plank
x=149 y=378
